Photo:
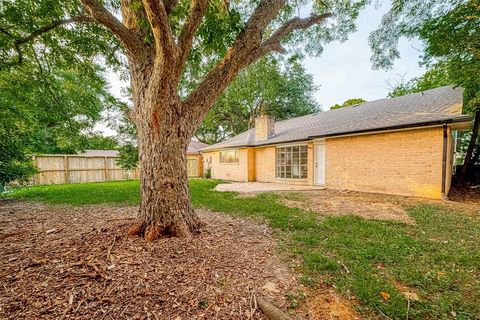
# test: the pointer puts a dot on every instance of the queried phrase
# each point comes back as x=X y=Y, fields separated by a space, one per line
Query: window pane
x=291 y=162
x=230 y=156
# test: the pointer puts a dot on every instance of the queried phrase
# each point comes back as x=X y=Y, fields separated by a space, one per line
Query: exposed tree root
x=152 y=231
x=272 y=312
x=136 y=229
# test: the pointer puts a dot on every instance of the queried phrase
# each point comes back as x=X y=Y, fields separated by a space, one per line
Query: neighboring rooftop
x=100 y=153
x=195 y=146
x=435 y=106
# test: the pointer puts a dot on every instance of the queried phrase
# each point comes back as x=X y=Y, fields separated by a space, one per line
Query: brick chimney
x=264 y=127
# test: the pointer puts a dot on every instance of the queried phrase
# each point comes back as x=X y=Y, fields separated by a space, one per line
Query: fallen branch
x=253 y=305
x=272 y=312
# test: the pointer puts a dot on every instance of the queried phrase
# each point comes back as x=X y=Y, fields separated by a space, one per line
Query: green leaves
x=283 y=90
x=348 y=103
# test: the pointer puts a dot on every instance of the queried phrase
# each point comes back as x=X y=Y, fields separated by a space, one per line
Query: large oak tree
x=180 y=57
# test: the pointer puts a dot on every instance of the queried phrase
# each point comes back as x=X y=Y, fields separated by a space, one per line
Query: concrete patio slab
x=257 y=187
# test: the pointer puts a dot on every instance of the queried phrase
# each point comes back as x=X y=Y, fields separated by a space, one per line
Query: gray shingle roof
x=194 y=146
x=428 y=107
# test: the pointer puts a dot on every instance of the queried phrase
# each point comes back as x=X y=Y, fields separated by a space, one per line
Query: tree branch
x=238 y=56
x=162 y=32
x=274 y=42
x=132 y=43
x=51 y=26
x=35 y=34
x=247 y=48
x=197 y=11
x=169 y=5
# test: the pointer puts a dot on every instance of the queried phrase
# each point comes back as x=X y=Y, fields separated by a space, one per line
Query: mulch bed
x=466 y=194
x=63 y=262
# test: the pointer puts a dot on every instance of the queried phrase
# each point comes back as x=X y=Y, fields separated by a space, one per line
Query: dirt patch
x=250 y=188
x=325 y=304
x=409 y=293
x=339 y=203
x=62 y=262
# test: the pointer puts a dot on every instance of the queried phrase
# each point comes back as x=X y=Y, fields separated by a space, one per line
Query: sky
x=344 y=70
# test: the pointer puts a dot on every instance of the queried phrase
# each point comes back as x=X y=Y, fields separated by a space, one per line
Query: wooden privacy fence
x=74 y=168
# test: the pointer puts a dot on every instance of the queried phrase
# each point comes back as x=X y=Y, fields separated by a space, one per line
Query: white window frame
x=302 y=162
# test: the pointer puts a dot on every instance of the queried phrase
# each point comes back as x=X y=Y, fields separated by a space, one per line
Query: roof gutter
x=444 y=160
x=406 y=126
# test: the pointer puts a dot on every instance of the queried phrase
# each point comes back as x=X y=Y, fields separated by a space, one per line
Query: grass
x=438 y=258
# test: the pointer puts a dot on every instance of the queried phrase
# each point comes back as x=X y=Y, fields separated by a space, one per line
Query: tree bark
x=163 y=137
x=469 y=161
x=165 y=124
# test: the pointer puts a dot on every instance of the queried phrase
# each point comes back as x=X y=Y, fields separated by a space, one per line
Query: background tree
x=449 y=30
x=47 y=106
x=180 y=56
x=57 y=105
x=15 y=160
x=97 y=141
x=282 y=90
x=348 y=103
x=435 y=77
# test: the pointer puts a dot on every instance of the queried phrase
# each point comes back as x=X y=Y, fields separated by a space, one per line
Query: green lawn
x=438 y=258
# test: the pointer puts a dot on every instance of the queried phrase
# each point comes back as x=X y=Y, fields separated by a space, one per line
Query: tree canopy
x=282 y=90
x=348 y=103
x=49 y=102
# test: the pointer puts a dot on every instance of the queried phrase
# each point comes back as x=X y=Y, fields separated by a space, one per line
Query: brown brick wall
x=403 y=162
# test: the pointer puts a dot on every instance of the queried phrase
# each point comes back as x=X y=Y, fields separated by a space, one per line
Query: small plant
x=208 y=173
x=295 y=298
x=203 y=303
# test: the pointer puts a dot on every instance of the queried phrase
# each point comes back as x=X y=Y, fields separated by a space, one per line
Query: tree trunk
x=163 y=136
x=469 y=161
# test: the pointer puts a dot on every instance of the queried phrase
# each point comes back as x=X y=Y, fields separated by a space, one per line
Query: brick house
x=403 y=145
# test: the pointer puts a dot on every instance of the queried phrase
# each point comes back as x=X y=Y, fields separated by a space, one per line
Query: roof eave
x=458 y=120
x=464 y=119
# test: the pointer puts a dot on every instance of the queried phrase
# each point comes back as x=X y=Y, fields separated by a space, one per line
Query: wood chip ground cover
x=62 y=262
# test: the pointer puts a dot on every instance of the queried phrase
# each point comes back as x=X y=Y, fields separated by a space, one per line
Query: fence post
x=35 y=176
x=106 y=168
x=65 y=169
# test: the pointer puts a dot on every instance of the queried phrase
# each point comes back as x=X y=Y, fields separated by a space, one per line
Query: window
x=229 y=156
x=291 y=162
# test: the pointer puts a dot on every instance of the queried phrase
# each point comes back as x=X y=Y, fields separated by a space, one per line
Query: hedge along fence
x=73 y=168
